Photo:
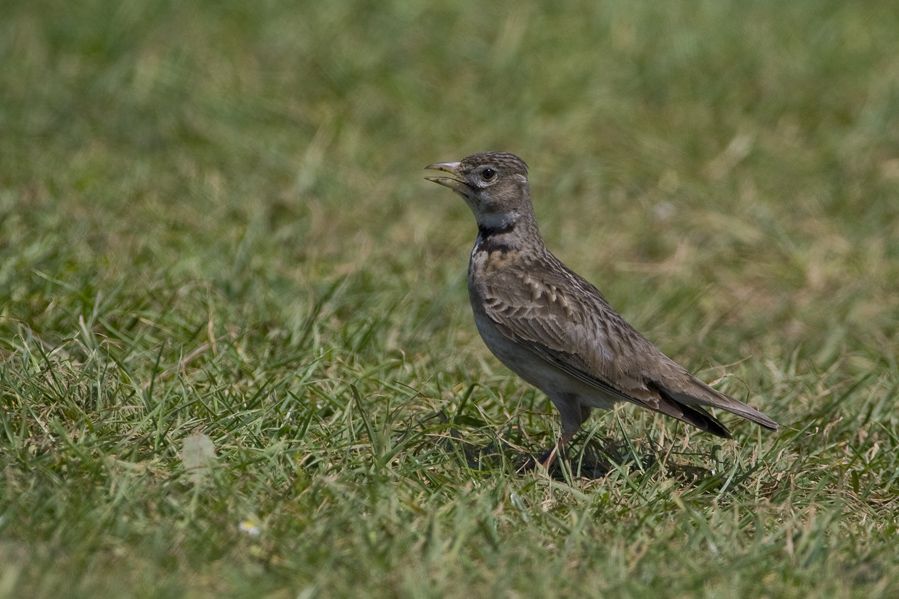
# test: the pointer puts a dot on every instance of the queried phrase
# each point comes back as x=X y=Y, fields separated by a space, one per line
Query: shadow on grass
x=593 y=460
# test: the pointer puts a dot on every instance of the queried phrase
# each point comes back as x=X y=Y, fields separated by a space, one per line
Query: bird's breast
x=491 y=255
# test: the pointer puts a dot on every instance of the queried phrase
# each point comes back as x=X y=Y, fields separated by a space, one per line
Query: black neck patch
x=487 y=232
x=490 y=238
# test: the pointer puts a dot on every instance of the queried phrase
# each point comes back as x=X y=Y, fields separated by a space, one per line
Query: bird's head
x=493 y=184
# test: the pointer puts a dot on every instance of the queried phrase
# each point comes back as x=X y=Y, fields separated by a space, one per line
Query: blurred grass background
x=212 y=221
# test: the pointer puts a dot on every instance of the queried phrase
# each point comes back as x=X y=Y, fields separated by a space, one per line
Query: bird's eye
x=488 y=173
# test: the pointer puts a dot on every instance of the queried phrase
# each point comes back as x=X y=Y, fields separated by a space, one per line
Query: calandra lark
x=553 y=328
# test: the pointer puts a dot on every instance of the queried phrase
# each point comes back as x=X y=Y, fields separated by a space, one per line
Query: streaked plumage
x=553 y=328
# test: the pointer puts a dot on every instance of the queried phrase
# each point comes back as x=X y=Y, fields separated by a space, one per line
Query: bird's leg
x=564 y=439
x=573 y=415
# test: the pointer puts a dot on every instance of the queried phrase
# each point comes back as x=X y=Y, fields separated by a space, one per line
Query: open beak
x=454 y=181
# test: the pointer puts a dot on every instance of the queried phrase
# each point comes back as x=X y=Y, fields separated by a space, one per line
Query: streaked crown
x=507 y=163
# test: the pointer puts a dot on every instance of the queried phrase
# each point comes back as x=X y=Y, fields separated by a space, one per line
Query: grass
x=213 y=228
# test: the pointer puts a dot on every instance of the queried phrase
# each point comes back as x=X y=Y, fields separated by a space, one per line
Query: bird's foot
x=544 y=460
x=532 y=462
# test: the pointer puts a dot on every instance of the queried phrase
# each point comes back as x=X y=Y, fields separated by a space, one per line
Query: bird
x=552 y=327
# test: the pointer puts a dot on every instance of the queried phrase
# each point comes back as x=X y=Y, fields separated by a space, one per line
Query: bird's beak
x=454 y=182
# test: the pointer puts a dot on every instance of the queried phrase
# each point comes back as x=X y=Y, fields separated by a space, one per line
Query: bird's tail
x=695 y=415
x=695 y=393
x=691 y=395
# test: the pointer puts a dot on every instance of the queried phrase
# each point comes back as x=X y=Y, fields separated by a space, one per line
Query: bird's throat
x=505 y=232
x=491 y=230
x=495 y=235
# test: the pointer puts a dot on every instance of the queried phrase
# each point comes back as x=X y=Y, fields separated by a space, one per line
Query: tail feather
x=691 y=414
x=694 y=393
x=716 y=399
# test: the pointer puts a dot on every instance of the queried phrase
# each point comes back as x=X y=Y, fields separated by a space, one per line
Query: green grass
x=213 y=221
